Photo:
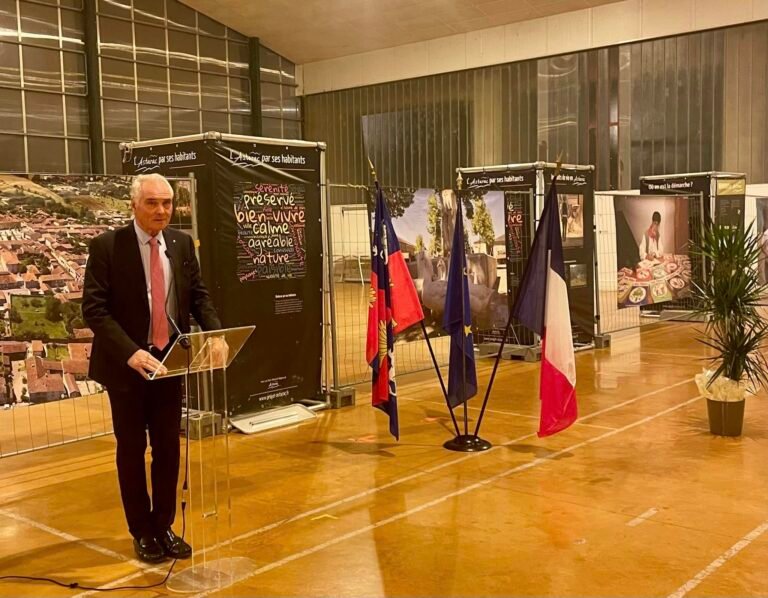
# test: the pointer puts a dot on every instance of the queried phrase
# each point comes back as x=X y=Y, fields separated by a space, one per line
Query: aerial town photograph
x=46 y=224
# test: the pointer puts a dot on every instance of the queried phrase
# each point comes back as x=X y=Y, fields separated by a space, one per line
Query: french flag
x=542 y=306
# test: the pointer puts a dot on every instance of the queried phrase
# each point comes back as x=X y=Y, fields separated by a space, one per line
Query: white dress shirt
x=170 y=294
x=652 y=247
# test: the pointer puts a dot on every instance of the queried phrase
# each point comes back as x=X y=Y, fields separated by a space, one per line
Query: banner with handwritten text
x=271 y=231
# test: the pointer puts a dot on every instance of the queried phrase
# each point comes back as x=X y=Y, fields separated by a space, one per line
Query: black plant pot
x=725 y=417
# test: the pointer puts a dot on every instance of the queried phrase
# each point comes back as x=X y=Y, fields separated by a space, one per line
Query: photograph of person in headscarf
x=652 y=235
x=651 y=246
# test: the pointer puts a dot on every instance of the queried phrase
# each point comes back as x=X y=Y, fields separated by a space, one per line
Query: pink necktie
x=159 y=320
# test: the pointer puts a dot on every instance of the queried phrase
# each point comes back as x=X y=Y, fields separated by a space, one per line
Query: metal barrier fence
x=25 y=427
x=349 y=256
x=610 y=317
x=756 y=217
x=750 y=211
x=46 y=399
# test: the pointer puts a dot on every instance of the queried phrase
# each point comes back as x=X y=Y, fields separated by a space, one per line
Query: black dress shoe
x=173 y=546
x=148 y=549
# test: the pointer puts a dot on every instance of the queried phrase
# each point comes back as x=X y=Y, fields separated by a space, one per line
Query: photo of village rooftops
x=46 y=224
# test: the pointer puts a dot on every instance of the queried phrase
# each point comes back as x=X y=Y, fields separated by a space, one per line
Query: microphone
x=183 y=338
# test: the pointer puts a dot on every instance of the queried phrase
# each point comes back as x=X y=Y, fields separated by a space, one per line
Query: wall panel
x=745 y=71
x=693 y=102
x=419 y=131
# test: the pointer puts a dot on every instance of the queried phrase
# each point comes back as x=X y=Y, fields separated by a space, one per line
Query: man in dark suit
x=142 y=282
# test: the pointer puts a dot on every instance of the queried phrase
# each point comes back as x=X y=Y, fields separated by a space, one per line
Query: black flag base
x=467 y=443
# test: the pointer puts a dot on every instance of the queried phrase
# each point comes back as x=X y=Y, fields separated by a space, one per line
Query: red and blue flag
x=393 y=306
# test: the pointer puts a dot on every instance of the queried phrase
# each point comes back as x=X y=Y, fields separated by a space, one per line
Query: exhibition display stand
x=723 y=193
x=524 y=188
x=257 y=228
x=639 y=281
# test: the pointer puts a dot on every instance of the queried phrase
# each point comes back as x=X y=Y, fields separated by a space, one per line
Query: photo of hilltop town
x=46 y=224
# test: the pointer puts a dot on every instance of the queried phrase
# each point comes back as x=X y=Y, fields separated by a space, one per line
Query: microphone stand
x=183 y=338
x=185 y=343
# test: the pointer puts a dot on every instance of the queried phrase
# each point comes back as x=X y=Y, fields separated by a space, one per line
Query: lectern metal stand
x=203 y=358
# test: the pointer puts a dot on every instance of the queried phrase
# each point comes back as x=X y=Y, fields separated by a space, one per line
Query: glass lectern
x=203 y=358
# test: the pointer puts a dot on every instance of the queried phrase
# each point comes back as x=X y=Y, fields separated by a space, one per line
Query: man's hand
x=144 y=363
x=217 y=354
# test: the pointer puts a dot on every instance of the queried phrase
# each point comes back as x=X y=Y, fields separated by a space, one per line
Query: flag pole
x=493 y=373
x=460 y=220
x=424 y=331
x=558 y=166
x=465 y=443
x=440 y=377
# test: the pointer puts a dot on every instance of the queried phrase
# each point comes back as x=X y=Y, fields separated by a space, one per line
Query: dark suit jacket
x=115 y=304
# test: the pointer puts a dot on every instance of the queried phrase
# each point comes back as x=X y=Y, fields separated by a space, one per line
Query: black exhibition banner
x=576 y=207
x=723 y=194
x=517 y=180
x=519 y=225
x=268 y=254
x=260 y=248
x=688 y=184
x=518 y=188
x=180 y=160
x=576 y=201
x=514 y=205
x=516 y=191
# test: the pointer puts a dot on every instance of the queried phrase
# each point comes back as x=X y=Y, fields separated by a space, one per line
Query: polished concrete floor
x=636 y=499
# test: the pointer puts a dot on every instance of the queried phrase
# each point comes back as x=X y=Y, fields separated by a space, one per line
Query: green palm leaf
x=730 y=297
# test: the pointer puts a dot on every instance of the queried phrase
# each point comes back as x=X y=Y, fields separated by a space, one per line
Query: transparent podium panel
x=208 y=513
x=219 y=573
x=201 y=351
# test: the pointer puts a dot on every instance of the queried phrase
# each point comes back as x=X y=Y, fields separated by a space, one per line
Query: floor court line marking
x=32 y=477
x=642 y=517
x=596 y=426
x=697 y=357
x=74 y=539
x=435 y=468
x=480 y=484
x=720 y=561
x=501 y=412
x=308 y=514
x=396 y=482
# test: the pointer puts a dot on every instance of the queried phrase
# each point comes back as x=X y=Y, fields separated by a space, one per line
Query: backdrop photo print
x=652 y=246
x=424 y=221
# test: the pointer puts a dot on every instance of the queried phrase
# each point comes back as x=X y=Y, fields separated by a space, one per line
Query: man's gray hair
x=138 y=183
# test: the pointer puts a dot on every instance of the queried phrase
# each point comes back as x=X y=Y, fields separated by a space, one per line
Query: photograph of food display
x=652 y=250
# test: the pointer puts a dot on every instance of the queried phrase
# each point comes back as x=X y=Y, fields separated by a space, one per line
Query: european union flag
x=457 y=321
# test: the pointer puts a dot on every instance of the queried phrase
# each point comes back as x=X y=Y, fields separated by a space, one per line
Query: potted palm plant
x=730 y=298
